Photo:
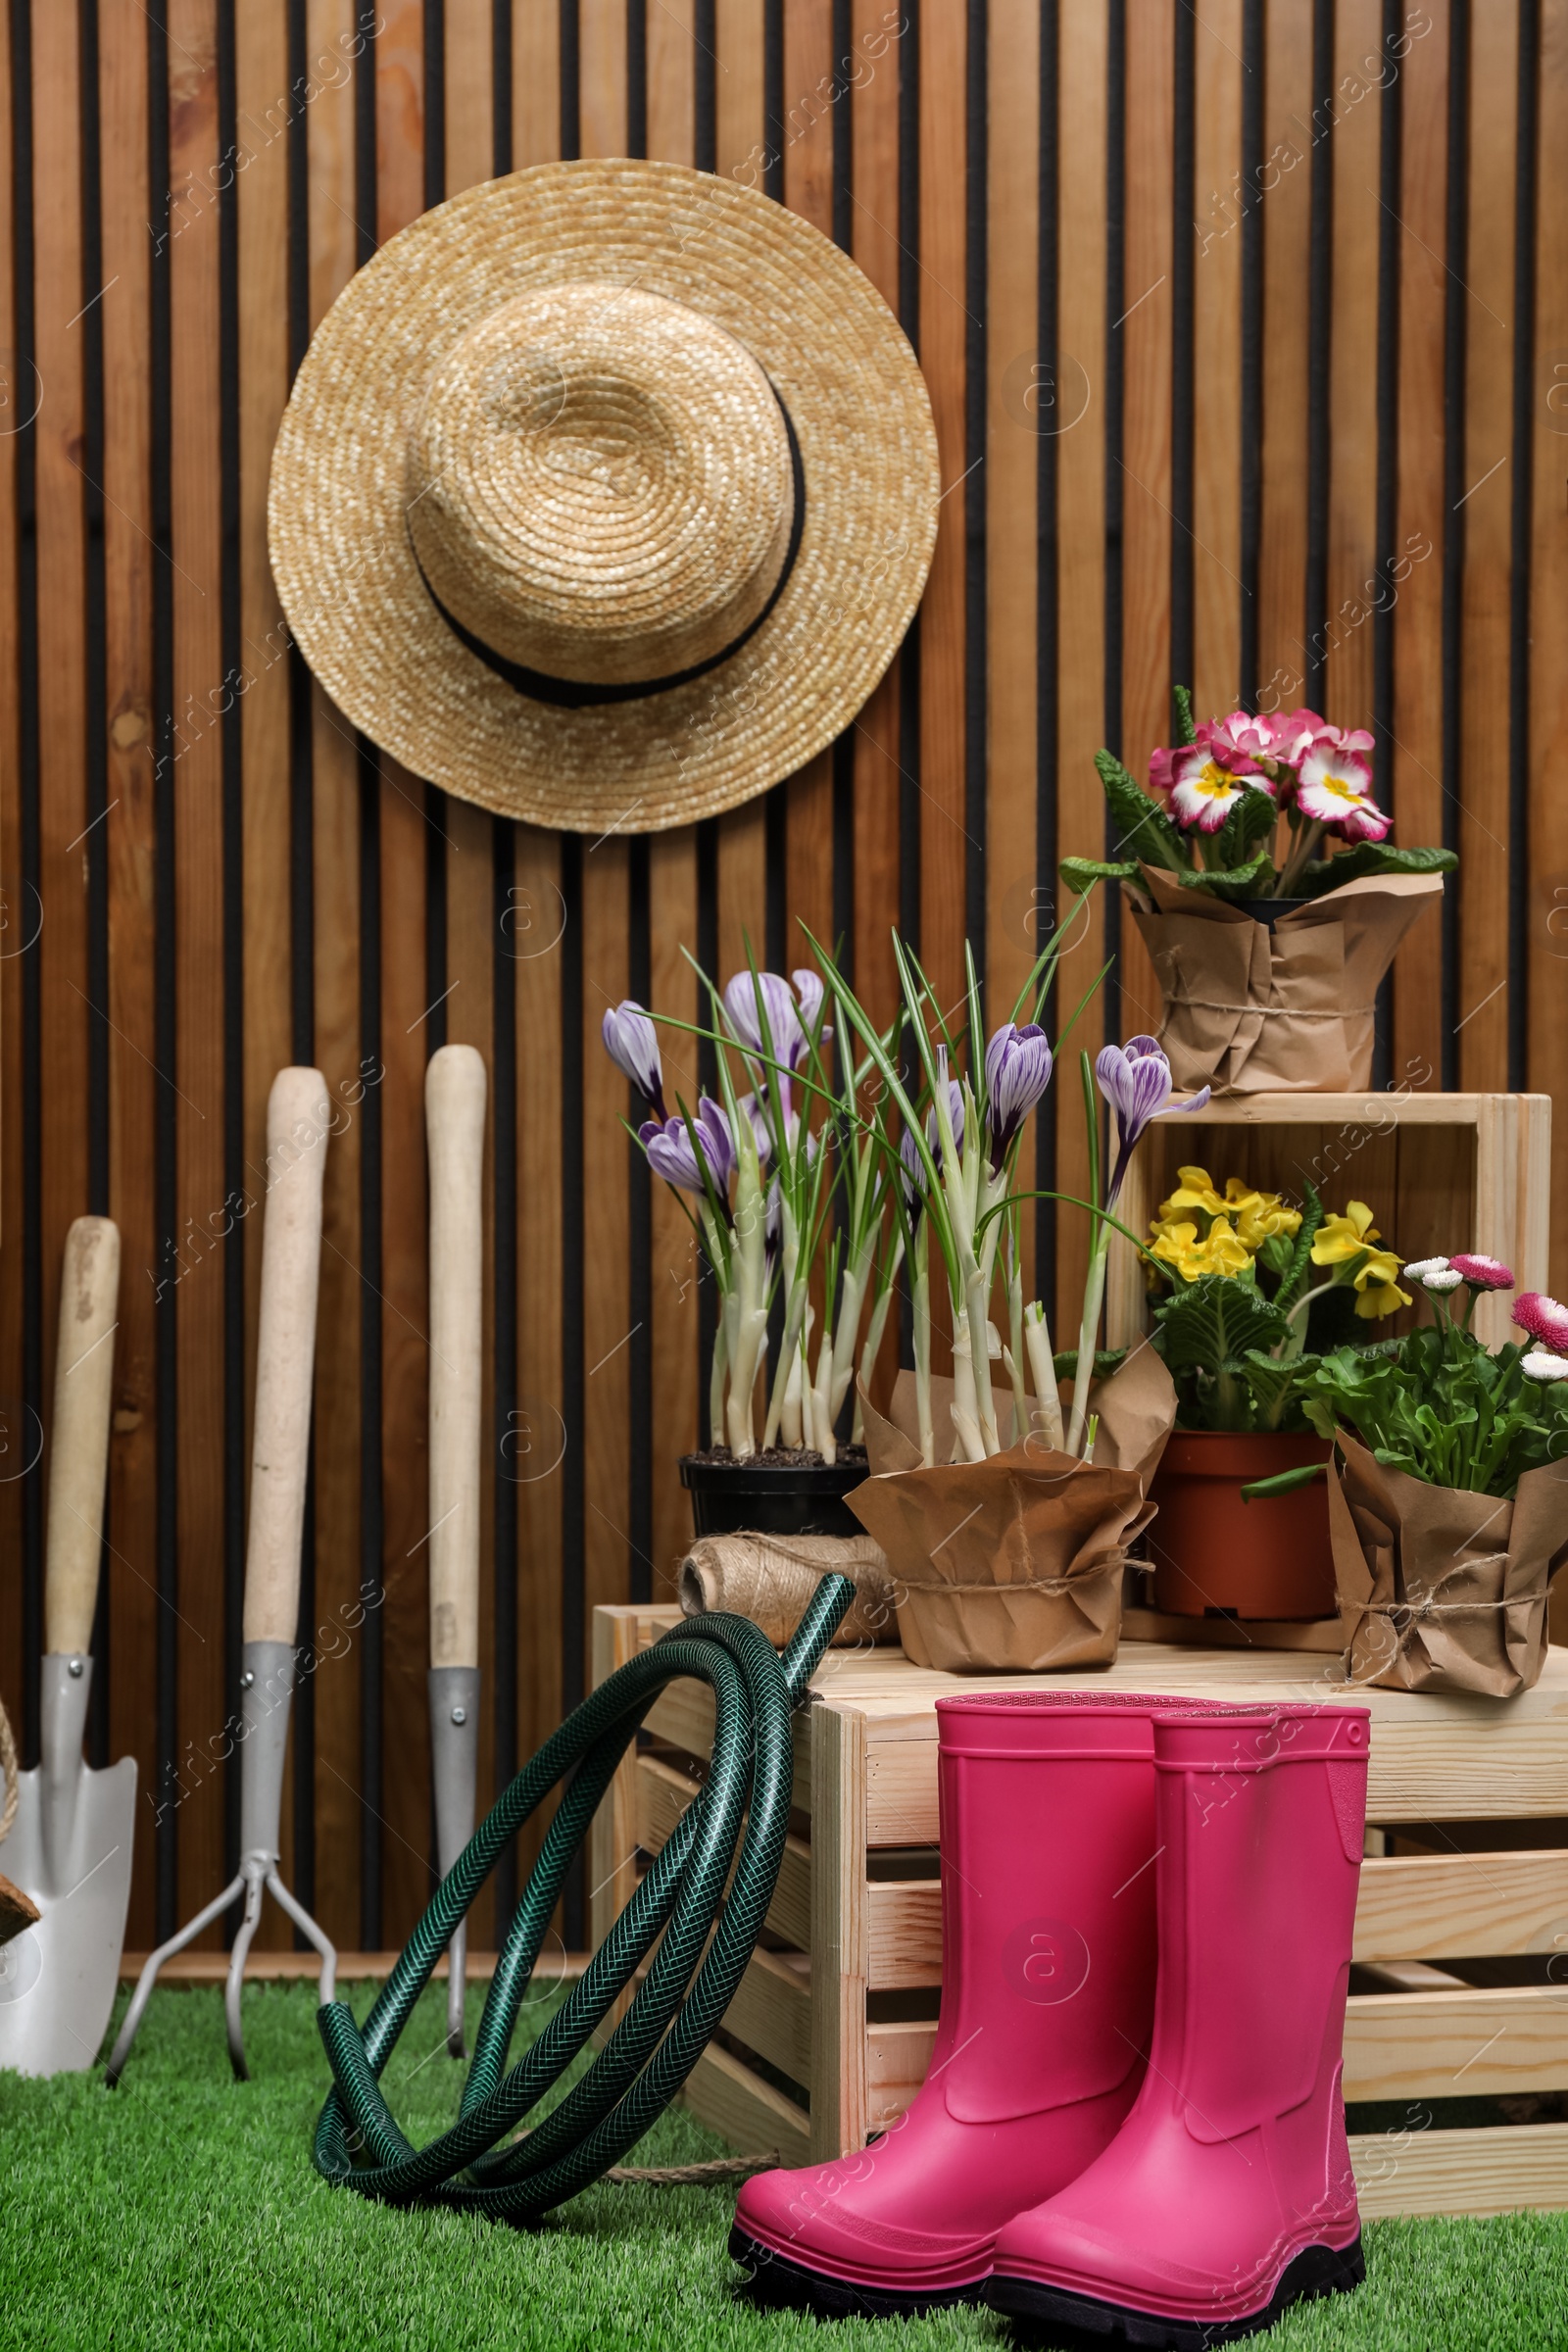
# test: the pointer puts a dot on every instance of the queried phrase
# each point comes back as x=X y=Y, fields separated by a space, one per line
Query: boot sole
x=1082 y=2321
x=775 y=2281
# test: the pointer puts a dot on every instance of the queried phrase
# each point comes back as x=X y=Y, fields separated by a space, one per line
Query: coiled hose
x=705 y=1935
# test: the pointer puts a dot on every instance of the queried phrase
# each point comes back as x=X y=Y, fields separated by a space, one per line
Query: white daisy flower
x=1423 y=1268
x=1538 y=1366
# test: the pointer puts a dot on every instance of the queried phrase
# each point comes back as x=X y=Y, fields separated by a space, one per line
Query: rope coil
x=705 y=1938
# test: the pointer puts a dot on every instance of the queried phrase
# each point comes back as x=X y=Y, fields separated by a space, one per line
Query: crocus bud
x=632 y=1044
x=1018 y=1066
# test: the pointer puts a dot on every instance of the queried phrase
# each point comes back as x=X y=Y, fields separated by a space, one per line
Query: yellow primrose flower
x=1223 y=1251
x=1340 y=1238
x=1259 y=1215
x=1380 y=1293
x=1194 y=1190
x=1176 y=1246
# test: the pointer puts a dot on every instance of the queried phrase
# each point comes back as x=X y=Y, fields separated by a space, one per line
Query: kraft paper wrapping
x=1441 y=1590
x=1249 y=1010
x=772 y=1578
x=1015 y=1564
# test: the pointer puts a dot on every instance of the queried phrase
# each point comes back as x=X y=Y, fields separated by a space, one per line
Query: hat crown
x=600 y=484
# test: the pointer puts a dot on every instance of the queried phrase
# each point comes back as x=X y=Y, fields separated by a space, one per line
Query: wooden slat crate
x=812 y=2061
x=1440 y=1172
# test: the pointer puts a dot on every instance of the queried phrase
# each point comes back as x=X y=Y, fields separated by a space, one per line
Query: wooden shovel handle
x=298 y=1122
x=79 y=1441
x=454 y=1113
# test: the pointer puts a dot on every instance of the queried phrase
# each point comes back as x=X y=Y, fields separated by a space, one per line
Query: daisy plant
x=1441 y=1405
x=1246 y=1278
x=1254 y=805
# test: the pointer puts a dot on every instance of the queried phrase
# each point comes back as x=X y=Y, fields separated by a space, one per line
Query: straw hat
x=605 y=494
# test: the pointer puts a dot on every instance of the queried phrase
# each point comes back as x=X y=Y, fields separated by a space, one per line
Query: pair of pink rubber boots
x=1132 y=2124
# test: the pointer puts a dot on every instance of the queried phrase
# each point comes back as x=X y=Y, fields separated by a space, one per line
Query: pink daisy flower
x=1545 y=1319
x=1336 y=790
x=1483 y=1273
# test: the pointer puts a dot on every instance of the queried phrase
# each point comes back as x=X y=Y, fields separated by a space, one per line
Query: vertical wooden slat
x=405 y=829
x=1007 y=485
x=262 y=98
x=1285 y=197
x=192 y=100
x=1486 y=497
x=335 y=772
x=1217 y=326
x=1415 y=784
x=809 y=190
x=1352 y=389
x=59 y=956
x=943 y=832
x=131 y=1565
x=1145 y=341
x=1080 y=238
x=1548 y=717
x=672 y=911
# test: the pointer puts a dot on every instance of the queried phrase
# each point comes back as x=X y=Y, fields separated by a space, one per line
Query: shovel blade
x=58 y=1979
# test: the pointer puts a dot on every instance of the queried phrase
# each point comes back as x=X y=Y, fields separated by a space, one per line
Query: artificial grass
x=183 y=2209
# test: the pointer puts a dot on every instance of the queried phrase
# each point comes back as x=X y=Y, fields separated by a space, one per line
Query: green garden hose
x=705 y=1937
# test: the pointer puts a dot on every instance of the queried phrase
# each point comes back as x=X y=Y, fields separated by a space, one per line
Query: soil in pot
x=1271 y=1558
x=777 y=1492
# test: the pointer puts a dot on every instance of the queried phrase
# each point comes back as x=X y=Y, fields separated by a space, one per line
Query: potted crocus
x=789 y=1208
x=1271 y=900
x=1248 y=1287
x=1003 y=1500
x=1447 y=1498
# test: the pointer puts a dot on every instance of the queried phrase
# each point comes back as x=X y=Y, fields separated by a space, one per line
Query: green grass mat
x=183 y=2209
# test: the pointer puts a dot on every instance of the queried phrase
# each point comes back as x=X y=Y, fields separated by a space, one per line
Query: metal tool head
x=71 y=1850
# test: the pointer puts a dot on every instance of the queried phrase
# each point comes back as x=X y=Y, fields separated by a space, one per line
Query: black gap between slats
x=975 y=653
x=1456 y=355
x=1391 y=156
x=1115 y=477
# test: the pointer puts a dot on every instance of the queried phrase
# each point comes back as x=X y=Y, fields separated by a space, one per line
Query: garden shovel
x=454 y=1117
x=71 y=1847
x=298 y=1120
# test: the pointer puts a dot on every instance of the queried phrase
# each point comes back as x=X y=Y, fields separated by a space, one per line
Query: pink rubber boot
x=1048 y=1973
x=1228 y=2193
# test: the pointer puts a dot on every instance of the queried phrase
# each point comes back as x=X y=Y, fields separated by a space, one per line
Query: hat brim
x=345 y=570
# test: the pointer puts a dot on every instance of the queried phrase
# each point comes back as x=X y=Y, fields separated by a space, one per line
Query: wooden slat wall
x=1246 y=338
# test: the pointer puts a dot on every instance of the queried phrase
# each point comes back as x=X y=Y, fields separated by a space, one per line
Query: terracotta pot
x=1271 y=1558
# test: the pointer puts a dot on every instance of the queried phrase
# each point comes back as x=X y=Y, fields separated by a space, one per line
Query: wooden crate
x=816 y=2056
x=1441 y=1172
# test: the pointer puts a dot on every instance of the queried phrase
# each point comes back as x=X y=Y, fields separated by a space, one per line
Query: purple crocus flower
x=632 y=1044
x=752 y=1105
x=809 y=988
x=1135 y=1080
x=1018 y=1066
x=787 y=1038
x=673 y=1151
x=912 y=1171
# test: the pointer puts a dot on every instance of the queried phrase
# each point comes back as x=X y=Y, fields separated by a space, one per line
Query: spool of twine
x=772 y=1578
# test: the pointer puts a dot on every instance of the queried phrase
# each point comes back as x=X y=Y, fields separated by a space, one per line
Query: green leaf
x=1284 y=1482
x=1082 y=873
x=1142 y=825
x=1186 y=732
x=1252 y=820
x=1230 y=882
x=1301 y=1258
x=1214 y=1323
x=1371 y=858
x=1106 y=1361
x=1271 y=1382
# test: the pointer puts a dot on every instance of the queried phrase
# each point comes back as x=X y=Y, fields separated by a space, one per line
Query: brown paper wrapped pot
x=1014 y=1565
x=1439 y=1589
x=1289 y=1011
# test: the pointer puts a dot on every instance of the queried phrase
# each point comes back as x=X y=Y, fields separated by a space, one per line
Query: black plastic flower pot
x=1269 y=910
x=772 y=1497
